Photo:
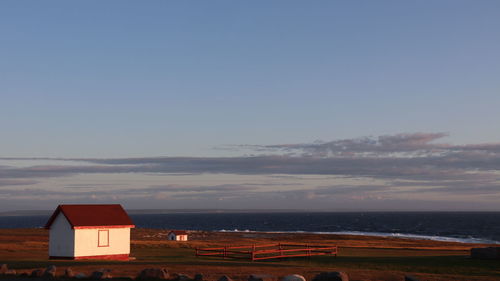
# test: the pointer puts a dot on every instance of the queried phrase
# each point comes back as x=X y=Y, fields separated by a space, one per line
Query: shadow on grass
x=23 y=264
x=427 y=264
x=182 y=260
x=158 y=260
x=459 y=265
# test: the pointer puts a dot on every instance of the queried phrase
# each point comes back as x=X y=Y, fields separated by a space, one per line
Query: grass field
x=362 y=257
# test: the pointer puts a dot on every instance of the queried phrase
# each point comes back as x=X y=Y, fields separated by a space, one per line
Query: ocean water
x=471 y=227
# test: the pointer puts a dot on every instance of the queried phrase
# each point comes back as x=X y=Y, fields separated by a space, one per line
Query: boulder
x=198 y=277
x=153 y=273
x=81 y=276
x=293 y=277
x=485 y=253
x=50 y=272
x=37 y=273
x=3 y=268
x=68 y=273
x=410 y=278
x=183 y=277
x=225 y=278
x=101 y=274
x=331 y=276
x=261 y=277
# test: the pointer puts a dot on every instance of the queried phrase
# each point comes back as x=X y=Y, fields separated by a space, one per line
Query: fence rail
x=268 y=251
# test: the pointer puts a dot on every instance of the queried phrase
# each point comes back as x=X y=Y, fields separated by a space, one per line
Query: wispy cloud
x=410 y=144
x=10 y=182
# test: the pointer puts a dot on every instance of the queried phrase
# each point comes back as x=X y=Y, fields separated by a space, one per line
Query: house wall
x=174 y=237
x=87 y=242
x=61 y=238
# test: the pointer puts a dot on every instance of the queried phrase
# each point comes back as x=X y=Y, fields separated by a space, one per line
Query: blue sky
x=123 y=79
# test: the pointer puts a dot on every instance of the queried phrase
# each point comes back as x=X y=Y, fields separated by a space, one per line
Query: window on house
x=103 y=238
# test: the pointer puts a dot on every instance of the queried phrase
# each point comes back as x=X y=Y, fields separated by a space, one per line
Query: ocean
x=470 y=227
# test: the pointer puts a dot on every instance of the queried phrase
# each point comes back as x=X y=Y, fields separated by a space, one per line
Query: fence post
x=225 y=252
x=196 y=251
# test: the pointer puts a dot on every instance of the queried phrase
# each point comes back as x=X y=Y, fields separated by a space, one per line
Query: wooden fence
x=268 y=251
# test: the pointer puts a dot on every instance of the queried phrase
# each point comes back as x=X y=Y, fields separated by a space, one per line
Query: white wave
x=471 y=240
x=235 y=230
x=420 y=237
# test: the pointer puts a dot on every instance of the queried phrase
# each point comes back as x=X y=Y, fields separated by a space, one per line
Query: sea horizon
x=465 y=227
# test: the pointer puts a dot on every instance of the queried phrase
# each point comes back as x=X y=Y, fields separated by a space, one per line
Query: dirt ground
x=363 y=258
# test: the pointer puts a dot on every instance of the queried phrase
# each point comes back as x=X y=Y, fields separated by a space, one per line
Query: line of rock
x=152 y=274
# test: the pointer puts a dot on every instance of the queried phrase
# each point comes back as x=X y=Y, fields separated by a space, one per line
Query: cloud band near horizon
x=409 y=165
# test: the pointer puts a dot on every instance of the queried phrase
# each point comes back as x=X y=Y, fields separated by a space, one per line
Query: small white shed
x=89 y=232
x=177 y=235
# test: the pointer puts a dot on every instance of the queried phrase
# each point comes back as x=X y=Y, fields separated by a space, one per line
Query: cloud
x=89 y=186
x=413 y=163
x=466 y=188
x=403 y=156
x=197 y=189
x=399 y=145
x=10 y=182
x=350 y=189
x=167 y=192
x=367 y=146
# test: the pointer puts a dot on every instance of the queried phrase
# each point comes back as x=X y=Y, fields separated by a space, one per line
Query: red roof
x=178 y=232
x=85 y=216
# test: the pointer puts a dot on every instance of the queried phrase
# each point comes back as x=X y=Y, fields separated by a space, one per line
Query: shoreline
x=470 y=240
x=361 y=234
x=474 y=228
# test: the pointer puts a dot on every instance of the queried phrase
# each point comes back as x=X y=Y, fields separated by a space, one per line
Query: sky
x=322 y=105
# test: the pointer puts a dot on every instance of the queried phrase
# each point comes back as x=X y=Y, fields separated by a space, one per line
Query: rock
x=224 y=278
x=183 y=277
x=485 y=253
x=198 y=277
x=3 y=268
x=331 y=276
x=410 y=278
x=68 y=273
x=37 y=273
x=293 y=277
x=80 y=276
x=50 y=272
x=101 y=274
x=153 y=273
x=96 y=275
x=261 y=277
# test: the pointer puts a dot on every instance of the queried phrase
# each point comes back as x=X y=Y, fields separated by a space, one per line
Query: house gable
x=61 y=238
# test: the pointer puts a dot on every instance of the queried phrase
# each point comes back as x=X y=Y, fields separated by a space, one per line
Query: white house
x=177 y=235
x=89 y=232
